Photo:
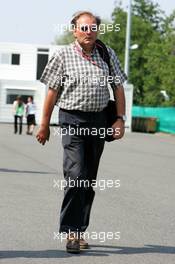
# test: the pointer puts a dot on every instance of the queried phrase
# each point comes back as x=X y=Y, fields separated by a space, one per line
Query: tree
x=161 y=63
x=64 y=39
x=150 y=30
x=152 y=65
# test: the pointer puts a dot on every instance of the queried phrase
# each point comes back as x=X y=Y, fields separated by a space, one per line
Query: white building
x=21 y=66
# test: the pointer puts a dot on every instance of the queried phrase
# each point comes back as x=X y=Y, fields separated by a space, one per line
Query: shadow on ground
x=25 y=171
x=102 y=251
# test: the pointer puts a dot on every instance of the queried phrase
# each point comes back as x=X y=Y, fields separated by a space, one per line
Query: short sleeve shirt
x=81 y=80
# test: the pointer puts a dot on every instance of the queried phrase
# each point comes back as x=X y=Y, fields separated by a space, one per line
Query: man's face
x=86 y=30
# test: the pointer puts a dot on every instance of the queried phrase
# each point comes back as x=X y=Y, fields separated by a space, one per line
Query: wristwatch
x=123 y=117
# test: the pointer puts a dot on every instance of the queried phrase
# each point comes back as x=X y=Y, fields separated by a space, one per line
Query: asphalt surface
x=142 y=208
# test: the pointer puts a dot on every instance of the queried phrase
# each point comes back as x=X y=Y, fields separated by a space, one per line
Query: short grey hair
x=78 y=14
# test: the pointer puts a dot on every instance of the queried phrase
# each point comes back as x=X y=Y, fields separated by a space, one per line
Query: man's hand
x=119 y=125
x=119 y=129
x=49 y=102
x=43 y=134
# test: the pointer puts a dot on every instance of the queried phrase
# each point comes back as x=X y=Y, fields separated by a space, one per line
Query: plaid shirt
x=81 y=81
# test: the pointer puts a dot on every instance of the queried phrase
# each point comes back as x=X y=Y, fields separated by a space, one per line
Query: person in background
x=18 y=109
x=30 y=114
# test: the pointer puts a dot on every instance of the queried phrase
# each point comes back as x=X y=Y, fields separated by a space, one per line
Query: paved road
x=142 y=209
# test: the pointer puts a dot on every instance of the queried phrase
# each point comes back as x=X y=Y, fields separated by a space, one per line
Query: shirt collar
x=81 y=49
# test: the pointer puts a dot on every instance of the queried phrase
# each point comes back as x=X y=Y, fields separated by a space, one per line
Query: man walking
x=82 y=106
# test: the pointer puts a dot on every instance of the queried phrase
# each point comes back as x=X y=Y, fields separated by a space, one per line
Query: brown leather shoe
x=73 y=244
x=83 y=243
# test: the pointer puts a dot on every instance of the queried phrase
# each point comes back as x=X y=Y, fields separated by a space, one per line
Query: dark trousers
x=80 y=163
x=16 y=117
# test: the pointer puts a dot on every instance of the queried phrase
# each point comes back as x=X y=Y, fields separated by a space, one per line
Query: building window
x=11 y=95
x=43 y=50
x=42 y=60
x=5 y=58
x=10 y=58
x=15 y=59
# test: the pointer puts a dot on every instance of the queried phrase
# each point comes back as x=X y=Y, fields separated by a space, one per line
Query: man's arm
x=44 y=131
x=119 y=125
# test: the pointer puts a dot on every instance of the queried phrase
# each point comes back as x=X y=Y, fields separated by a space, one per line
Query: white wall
x=129 y=101
x=27 y=68
x=28 y=60
x=22 y=77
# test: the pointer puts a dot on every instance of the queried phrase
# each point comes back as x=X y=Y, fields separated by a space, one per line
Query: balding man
x=69 y=75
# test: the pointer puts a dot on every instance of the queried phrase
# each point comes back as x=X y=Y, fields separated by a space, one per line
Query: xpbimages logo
x=102 y=132
x=91 y=79
x=102 y=184
x=101 y=236
x=102 y=28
